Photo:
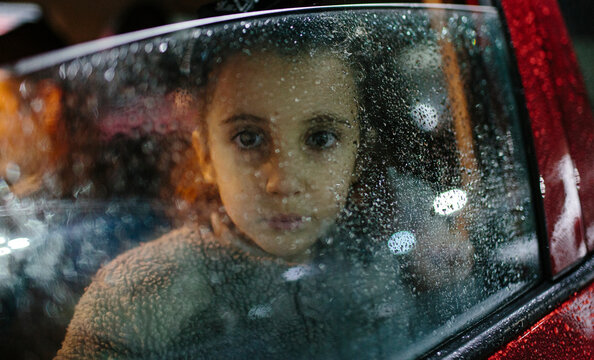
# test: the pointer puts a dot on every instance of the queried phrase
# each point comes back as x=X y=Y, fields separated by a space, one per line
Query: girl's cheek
x=251 y=158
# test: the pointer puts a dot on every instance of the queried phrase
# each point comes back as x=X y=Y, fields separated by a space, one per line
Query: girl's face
x=282 y=143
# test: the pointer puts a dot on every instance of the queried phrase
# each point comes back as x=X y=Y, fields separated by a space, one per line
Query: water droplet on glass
x=109 y=74
x=13 y=172
x=148 y=48
x=18 y=243
x=87 y=69
x=260 y=311
x=72 y=70
x=62 y=71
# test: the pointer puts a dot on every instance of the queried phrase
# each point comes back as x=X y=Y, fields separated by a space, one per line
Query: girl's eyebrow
x=328 y=119
x=318 y=119
x=243 y=117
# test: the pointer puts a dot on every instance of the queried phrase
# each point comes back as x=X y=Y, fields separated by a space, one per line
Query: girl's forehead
x=283 y=70
x=271 y=85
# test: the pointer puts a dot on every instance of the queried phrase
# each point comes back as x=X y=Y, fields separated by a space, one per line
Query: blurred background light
x=450 y=201
x=18 y=243
x=425 y=116
x=401 y=242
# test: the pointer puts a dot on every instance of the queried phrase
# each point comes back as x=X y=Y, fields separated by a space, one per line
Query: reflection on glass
x=4 y=251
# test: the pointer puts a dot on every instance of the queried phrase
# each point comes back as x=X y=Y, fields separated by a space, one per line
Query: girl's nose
x=283 y=178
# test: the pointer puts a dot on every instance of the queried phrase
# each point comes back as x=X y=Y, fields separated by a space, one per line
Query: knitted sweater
x=189 y=295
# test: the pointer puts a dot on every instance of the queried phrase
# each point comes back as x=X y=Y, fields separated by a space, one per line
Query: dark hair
x=287 y=36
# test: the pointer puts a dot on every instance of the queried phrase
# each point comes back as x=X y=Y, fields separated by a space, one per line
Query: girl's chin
x=288 y=249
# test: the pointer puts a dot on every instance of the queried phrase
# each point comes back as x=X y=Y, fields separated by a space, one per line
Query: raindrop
x=123 y=53
x=13 y=173
x=23 y=89
x=259 y=312
x=72 y=70
x=87 y=69
x=37 y=105
x=109 y=74
x=96 y=60
x=62 y=71
x=113 y=54
x=148 y=48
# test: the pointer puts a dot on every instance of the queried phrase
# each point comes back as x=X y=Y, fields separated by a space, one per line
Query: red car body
x=563 y=128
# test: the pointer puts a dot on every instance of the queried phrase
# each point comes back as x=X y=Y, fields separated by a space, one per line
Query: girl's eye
x=248 y=139
x=321 y=140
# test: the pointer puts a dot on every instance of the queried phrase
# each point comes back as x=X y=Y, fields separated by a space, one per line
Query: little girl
x=276 y=273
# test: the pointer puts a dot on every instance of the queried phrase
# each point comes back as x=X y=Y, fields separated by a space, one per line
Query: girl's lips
x=285 y=222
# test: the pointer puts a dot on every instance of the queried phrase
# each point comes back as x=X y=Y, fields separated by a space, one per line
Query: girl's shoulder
x=144 y=296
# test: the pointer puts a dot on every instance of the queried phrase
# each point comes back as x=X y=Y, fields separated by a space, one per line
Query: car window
x=332 y=183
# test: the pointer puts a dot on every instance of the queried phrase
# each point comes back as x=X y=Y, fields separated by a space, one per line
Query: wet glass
x=343 y=182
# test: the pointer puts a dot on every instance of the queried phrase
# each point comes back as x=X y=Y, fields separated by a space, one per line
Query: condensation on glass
x=340 y=183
